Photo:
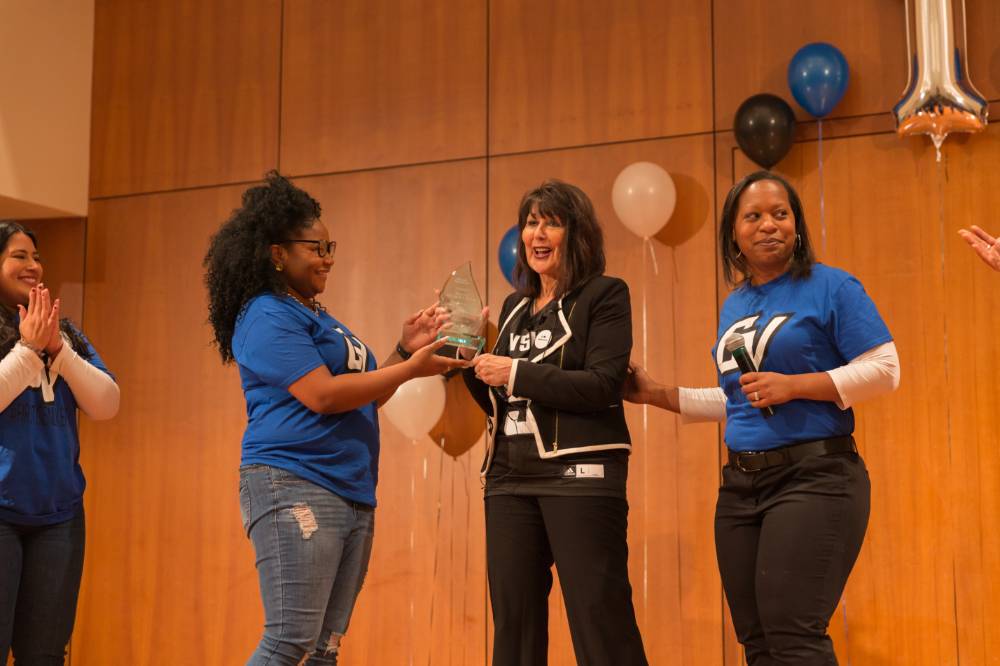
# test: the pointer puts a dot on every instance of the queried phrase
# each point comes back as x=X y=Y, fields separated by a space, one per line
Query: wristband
x=403 y=354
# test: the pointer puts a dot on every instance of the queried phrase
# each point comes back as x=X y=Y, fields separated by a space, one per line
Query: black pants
x=786 y=539
x=40 y=570
x=586 y=538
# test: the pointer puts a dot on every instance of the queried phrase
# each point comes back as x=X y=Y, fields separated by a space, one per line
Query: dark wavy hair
x=238 y=264
x=733 y=262
x=9 y=332
x=583 y=243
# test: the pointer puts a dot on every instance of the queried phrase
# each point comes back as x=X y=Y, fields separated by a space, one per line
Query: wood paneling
x=371 y=83
x=185 y=93
x=565 y=73
x=673 y=469
x=400 y=232
x=982 y=18
x=755 y=40
x=61 y=243
x=972 y=361
x=169 y=575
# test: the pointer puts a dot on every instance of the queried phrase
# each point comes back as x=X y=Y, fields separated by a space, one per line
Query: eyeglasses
x=323 y=248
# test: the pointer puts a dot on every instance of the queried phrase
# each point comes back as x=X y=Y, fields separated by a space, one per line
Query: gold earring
x=279 y=267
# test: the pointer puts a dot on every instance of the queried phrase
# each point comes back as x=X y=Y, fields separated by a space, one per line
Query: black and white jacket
x=573 y=386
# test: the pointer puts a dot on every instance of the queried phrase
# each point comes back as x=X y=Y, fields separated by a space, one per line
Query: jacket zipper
x=562 y=352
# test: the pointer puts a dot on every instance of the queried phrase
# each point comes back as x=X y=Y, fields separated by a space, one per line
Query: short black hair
x=583 y=243
x=238 y=263
x=733 y=262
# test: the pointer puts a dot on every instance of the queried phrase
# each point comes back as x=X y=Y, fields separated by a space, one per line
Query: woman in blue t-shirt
x=310 y=450
x=794 y=502
x=48 y=369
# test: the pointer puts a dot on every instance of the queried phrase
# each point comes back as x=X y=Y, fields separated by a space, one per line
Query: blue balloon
x=817 y=77
x=507 y=253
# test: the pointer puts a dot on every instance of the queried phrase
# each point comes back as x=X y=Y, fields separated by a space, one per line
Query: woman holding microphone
x=793 y=506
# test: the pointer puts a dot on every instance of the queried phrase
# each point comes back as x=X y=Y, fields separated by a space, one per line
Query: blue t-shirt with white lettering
x=41 y=481
x=276 y=342
x=794 y=326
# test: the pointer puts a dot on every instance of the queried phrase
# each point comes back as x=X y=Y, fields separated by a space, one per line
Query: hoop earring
x=739 y=253
x=279 y=267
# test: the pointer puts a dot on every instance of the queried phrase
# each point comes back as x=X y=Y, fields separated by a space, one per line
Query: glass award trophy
x=460 y=297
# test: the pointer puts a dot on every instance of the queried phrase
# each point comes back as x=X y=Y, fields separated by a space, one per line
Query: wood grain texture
x=169 y=574
x=370 y=83
x=566 y=73
x=673 y=470
x=756 y=39
x=61 y=244
x=400 y=233
x=185 y=93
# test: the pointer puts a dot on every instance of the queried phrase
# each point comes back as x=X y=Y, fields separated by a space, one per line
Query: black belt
x=754 y=461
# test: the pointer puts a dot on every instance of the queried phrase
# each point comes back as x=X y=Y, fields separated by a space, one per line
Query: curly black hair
x=238 y=264
x=9 y=331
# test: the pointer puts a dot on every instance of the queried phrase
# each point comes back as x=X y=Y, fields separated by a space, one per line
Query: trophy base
x=461 y=346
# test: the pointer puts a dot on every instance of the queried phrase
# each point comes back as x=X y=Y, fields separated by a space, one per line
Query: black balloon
x=764 y=125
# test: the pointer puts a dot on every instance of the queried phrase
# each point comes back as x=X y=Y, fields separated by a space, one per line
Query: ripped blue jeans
x=313 y=549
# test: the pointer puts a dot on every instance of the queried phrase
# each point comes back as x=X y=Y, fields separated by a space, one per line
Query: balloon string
x=822 y=202
x=645 y=442
x=652 y=253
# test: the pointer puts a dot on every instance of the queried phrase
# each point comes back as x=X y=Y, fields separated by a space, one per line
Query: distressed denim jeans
x=312 y=549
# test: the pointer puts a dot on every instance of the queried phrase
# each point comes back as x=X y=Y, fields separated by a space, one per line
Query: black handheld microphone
x=736 y=346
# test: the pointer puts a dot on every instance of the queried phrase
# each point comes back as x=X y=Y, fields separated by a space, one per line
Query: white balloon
x=644 y=197
x=416 y=406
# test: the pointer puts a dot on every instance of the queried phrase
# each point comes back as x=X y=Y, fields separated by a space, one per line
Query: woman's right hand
x=39 y=319
x=985 y=245
x=638 y=386
x=425 y=362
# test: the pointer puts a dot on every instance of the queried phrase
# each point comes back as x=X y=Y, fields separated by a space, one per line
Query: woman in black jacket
x=557 y=442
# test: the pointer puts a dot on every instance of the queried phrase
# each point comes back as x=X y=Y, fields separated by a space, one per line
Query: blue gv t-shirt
x=794 y=326
x=41 y=481
x=276 y=342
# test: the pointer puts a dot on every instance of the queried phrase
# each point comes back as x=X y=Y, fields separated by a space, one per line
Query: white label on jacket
x=590 y=471
x=516 y=422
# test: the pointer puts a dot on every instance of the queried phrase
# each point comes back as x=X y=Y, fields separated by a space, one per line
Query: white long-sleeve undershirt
x=95 y=392
x=866 y=376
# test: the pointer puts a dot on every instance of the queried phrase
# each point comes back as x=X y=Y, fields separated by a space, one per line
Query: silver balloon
x=939 y=98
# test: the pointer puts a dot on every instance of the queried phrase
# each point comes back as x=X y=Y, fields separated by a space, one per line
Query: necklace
x=313 y=306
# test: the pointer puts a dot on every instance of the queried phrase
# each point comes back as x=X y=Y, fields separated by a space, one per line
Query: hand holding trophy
x=464 y=332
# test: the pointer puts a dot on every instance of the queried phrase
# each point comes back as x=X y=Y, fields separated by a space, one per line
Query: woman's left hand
x=764 y=389
x=493 y=370
x=421 y=328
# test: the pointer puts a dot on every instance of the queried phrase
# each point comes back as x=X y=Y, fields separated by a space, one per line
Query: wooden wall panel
x=755 y=40
x=400 y=232
x=374 y=83
x=61 y=242
x=673 y=469
x=169 y=574
x=972 y=358
x=568 y=73
x=185 y=93
x=983 y=16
